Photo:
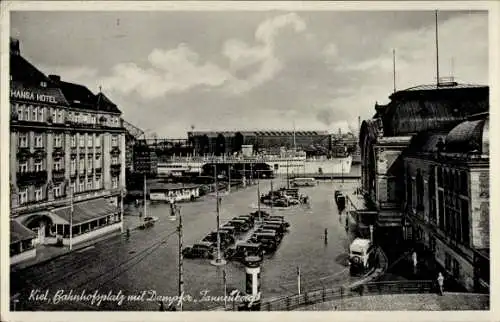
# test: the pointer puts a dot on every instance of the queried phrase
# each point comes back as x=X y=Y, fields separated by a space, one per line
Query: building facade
x=67 y=153
x=230 y=142
x=422 y=157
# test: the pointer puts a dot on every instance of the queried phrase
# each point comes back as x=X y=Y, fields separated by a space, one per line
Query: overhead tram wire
x=151 y=250
x=154 y=245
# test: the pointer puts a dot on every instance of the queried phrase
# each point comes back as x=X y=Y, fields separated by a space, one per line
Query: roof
x=78 y=95
x=360 y=243
x=22 y=91
x=426 y=142
x=442 y=87
x=86 y=211
x=19 y=232
x=22 y=70
x=469 y=136
x=105 y=104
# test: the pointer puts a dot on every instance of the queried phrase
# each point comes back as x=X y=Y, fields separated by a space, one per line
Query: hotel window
x=81 y=186
x=97 y=140
x=60 y=116
x=58 y=140
x=73 y=141
x=53 y=112
x=38 y=165
x=34 y=114
x=89 y=162
x=57 y=164
x=93 y=120
x=89 y=140
x=82 y=165
x=57 y=191
x=82 y=140
x=38 y=194
x=72 y=187
x=114 y=140
x=97 y=183
x=97 y=161
x=23 y=140
x=26 y=113
x=38 y=141
x=114 y=182
x=23 y=166
x=77 y=117
x=114 y=160
x=23 y=196
x=20 y=112
x=89 y=183
x=40 y=114
x=73 y=165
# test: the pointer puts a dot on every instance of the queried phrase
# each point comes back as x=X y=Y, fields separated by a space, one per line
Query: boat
x=293 y=164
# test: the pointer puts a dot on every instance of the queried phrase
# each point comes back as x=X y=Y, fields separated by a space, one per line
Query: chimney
x=15 y=47
x=55 y=78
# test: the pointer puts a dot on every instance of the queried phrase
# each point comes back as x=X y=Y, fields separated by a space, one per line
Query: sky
x=170 y=72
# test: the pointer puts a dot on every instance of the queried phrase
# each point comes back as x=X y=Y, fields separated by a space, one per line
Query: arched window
x=420 y=190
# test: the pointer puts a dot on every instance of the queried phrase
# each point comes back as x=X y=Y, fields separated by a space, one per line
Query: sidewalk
x=406 y=302
x=46 y=253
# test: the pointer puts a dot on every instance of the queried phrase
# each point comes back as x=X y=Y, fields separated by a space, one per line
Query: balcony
x=23 y=153
x=58 y=175
x=115 y=169
x=73 y=174
x=39 y=153
x=58 y=152
x=90 y=171
x=33 y=177
x=115 y=150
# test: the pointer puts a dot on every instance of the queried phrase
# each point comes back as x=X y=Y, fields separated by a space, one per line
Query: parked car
x=242 y=250
x=199 y=250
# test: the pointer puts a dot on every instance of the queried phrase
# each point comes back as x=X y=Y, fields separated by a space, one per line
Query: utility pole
x=72 y=210
x=229 y=179
x=258 y=193
x=394 y=69
x=121 y=209
x=287 y=179
x=145 y=194
x=437 y=49
x=181 y=268
x=218 y=261
x=272 y=197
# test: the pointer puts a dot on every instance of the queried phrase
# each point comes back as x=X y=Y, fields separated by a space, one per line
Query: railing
x=293 y=302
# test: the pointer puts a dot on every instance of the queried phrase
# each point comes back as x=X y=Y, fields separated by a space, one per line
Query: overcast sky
x=168 y=71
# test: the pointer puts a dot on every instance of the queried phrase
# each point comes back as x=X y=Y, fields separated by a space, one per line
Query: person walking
x=415 y=261
x=440 y=280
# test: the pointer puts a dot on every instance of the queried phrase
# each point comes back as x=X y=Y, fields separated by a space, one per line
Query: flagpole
x=298 y=279
x=181 y=270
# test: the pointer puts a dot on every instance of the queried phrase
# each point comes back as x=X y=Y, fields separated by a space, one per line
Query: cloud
x=241 y=55
x=170 y=71
x=181 y=69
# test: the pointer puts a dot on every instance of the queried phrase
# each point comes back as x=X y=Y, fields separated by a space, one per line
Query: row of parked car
x=265 y=239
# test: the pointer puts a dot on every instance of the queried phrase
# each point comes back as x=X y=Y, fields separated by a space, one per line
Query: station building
x=67 y=154
x=425 y=176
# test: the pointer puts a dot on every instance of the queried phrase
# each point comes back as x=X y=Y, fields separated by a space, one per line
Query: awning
x=19 y=232
x=86 y=211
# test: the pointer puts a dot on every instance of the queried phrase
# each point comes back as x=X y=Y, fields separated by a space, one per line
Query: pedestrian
x=440 y=280
x=128 y=232
x=415 y=262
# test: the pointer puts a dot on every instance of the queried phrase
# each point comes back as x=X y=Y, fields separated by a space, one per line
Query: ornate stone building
x=66 y=144
x=425 y=173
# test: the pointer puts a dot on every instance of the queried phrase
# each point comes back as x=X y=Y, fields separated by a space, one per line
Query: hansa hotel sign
x=31 y=96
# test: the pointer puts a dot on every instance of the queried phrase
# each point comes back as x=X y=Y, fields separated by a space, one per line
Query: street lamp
x=219 y=260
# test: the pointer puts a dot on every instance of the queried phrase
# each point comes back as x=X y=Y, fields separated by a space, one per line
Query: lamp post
x=72 y=209
x=218 y=261
x=181 y=267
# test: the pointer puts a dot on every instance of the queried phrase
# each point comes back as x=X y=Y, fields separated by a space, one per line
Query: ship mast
x=437 y=49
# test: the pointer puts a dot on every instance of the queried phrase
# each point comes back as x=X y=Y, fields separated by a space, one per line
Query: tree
x=220 y=145
x=237 y=142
